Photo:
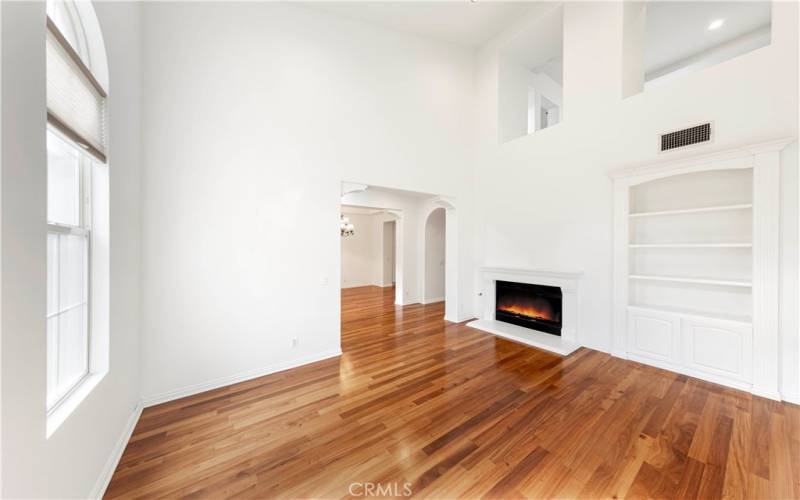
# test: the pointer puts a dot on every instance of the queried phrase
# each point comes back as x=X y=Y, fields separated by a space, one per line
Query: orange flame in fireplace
x=532 y=308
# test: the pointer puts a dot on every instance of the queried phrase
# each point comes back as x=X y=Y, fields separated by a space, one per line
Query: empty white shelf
x=720 y=208
x=691 y=245
x=741 y=318
x=694 y=281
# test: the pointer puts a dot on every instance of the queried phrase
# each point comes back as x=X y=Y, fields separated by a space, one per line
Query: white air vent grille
x=686 y=137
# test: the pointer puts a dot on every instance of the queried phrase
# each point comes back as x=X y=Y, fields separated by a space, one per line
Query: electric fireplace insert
x=533 y=306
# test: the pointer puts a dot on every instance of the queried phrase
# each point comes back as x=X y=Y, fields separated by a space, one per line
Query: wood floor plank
x=420 y=405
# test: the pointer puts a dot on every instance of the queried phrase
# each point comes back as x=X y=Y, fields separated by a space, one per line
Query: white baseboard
x=792 y=398
x=776 y=396
x=193 y=389
x=742 y=386
x=362 y=285
x=357 y=285
x=773 y=395
x=433 y=301
x=103 y=481
x=465 y=317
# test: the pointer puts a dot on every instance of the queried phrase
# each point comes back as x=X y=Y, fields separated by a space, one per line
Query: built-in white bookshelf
x=691 y=245
x=696 y=252
x=681 y=211
x=693 y=233
x=687 y=280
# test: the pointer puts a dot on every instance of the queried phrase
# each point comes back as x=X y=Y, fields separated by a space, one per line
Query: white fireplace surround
x=569 y=282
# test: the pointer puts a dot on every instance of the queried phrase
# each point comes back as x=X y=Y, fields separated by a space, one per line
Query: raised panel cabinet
x=654 y=335
x=718 y=348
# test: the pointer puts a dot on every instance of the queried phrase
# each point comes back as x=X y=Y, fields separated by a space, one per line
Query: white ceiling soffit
x=470 y=24
x=354 y=210
x=352 y=187
x=401 y=192
x=676 y=31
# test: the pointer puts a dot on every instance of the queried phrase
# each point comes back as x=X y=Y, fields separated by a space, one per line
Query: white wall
x=361 y=256
x=388 y=241
x=546 y=200
x=434 y=256
x=2 y=139
x=715 y=55
x=242 y=213
x=513 y=102
x=75 y=461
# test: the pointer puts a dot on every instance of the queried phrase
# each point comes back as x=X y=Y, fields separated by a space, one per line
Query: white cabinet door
x=719 y=348
x=654 y=335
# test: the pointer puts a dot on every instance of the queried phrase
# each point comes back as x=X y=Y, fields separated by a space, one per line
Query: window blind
x=76 y=102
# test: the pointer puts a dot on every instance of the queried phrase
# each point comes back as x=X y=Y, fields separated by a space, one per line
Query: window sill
x=60 y=414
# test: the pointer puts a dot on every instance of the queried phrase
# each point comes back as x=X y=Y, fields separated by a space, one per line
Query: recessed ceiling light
x=716 y=24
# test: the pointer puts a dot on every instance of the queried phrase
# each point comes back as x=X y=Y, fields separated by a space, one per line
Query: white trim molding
x=466 y=317
x=110 y=466
x=567 y=281
x=766 y=273
x=729 y=158
x=446 y=202
x=791 y=398
x=758 y=367
x=352 y=187
x=236 y=378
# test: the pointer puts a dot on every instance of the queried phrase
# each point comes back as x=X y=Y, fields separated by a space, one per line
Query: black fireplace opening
x=533 y=306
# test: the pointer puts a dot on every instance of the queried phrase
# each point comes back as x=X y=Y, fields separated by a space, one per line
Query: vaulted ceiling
x=470 y=24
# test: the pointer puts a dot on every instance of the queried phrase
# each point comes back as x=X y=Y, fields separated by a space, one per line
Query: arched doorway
x=435 y=257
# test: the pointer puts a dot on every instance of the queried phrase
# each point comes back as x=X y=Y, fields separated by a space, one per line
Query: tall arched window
x=77 y=82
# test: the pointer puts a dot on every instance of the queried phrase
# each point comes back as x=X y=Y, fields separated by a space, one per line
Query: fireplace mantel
x=568 y=281
x=539 y=272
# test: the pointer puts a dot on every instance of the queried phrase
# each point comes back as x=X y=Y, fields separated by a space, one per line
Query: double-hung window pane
x=63 y=182
x=67 y=268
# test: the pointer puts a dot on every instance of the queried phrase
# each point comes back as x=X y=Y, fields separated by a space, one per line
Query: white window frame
x=76 y=30
x=84 y=229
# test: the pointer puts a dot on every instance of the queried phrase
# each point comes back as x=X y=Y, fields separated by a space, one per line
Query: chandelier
x=345 y=227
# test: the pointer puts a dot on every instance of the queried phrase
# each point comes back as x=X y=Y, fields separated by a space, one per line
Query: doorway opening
x=435 y=256
x=368 y=242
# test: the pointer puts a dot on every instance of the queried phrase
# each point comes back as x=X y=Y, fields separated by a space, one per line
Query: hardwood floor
x=418 y=405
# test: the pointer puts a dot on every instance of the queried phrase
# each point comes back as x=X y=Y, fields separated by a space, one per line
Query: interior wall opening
x=530 y=78
x=664 y=39
x=400 y=238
